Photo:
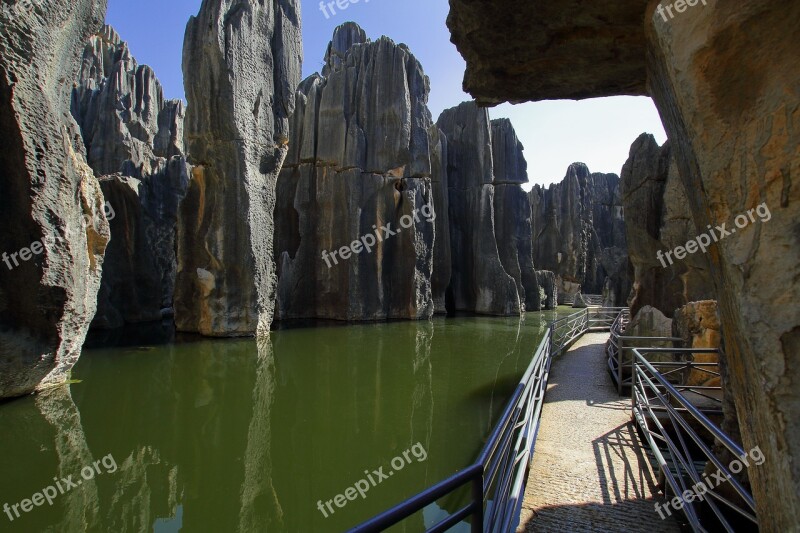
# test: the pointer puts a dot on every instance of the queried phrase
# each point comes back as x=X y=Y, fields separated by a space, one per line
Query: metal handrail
x=621 y=367
x=498 y=474
x=655 y=393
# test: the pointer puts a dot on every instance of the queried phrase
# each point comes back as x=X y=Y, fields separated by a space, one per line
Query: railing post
x=620 y=362
x=477 y=500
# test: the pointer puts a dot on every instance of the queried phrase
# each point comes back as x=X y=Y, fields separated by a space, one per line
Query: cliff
x=578 y=233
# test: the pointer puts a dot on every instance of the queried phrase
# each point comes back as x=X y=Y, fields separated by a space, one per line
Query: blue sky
x=597 y=132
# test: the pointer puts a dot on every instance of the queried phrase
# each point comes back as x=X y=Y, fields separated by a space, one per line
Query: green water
x=246 y=436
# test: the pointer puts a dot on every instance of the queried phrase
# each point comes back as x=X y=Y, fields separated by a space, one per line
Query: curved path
x=589 y=472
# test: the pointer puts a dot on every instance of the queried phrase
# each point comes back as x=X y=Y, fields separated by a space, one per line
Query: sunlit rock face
x=578 y=233
x=241 y=64
x=479 y=282
x=134 y=141
x=724 y=77
x=53 y=231
x=657 y=220
x=360 y=205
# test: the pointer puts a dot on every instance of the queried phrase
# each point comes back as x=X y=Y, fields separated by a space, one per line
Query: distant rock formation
x=357 y=214
x=579 y=234
x=53 y=232
x=479 y=282
x=134 y=141
x=242 y=63
x=658 y=220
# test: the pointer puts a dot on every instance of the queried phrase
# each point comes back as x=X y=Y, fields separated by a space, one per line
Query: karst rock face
x=242 y=64
x=578 y=233
x=360 y=207
x=53 y=228
x=725 y=80
x=479 y=282
x=134 y=141
x=658 y=220
x=512 y=213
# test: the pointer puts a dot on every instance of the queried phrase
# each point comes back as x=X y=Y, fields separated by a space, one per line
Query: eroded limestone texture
x=241 y=68
x=53 y=227
x=134 y=138
x=479 y=282
x=364 y=155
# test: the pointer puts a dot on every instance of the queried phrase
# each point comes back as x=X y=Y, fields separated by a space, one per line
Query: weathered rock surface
x=53 y=223
x=527 y=38
x=658 y=220
x=548 y=289
x=127 y=125
x=579 y=233
x=479 y=282
x=512 y=213
x=697 y=323
x=580 y=302
x=364 y=155
x=728 y=98
x=241 y=67
x=134 y=138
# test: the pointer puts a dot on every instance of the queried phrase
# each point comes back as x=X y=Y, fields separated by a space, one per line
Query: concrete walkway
x=589 y=470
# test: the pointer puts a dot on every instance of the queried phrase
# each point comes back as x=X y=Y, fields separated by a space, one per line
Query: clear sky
x=597 y=132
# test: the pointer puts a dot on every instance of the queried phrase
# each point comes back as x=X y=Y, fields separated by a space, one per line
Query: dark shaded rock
x=135 y=141
x=364 y=155
x=658 y=220
x=344 y=37
x=442 y=259
x=727 y=98
x=512 y=213
x=49 y=197
x=479 y=282
x=578 y=232
x=509 y=45
x=548 y=289
x=139 y=277
x=241 y=67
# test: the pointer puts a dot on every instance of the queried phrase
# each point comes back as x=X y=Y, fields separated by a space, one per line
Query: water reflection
x=249 y=436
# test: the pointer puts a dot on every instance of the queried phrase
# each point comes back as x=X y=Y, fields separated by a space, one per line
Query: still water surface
x=241 y=435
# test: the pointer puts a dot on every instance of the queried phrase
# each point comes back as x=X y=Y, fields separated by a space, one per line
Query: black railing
x=498 y=475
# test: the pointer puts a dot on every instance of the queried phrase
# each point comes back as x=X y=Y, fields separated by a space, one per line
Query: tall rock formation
x=658 y=220
x=134 y=141
x=579 y=233
x=479 y=282
x=53 y=232
x=242 y=63
x=725 y=80
x=512 y=213
x=356 y=221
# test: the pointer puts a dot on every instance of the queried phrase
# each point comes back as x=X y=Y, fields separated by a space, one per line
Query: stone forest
x=288 y=304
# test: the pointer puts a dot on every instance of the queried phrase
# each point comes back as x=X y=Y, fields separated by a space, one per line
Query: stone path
x=589 y=471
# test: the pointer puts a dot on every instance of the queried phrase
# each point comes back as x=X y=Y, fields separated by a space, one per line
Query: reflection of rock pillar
x=260 y=505
x=422 y=397
x=72 y=451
